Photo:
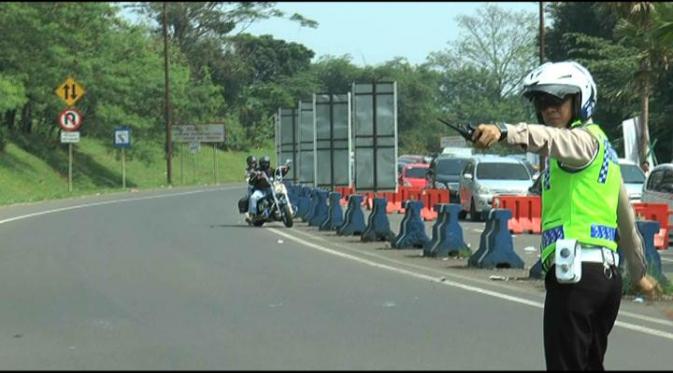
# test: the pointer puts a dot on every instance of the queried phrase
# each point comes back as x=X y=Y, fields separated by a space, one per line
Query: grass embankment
x=32 y=169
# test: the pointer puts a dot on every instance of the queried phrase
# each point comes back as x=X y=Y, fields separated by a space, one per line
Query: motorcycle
x=275 y=206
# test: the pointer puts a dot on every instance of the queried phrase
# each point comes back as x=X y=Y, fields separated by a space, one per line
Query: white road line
x=21 y=217
x=666 y=259
x=465 y=278
x=634 y=327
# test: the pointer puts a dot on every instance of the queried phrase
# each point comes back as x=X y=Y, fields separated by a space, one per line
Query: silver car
x=485 y=176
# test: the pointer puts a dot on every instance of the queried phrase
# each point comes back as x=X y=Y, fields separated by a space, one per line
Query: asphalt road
x=173 y=279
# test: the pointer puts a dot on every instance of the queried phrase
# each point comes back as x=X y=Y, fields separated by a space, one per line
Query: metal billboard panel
x=375 y=135
x=305 y=166
x=276 y=132
x=332 y=140
x=288 y=135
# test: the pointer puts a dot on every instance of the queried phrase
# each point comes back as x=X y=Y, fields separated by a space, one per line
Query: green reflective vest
x=581 y=204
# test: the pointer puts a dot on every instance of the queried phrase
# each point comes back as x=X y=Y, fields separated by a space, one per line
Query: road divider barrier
x=354 y=219
x=648 y=230
x=320 y=210
x=303 y=201
x=447 y=235
x=312 y=197
x=657 y=212
x=378 y=225
x=432 y=197
x=334 y=213
x=526 y=212
x=496 y=249
x=412 y=229
x=536 y=270
x=345 y=192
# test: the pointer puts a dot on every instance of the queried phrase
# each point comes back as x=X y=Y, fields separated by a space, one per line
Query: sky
x=376 y=32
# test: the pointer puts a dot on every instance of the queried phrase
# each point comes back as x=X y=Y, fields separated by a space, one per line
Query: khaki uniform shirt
x=576 y=148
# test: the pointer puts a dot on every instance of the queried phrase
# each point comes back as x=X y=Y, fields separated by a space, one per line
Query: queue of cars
x=474 y=179
x=471 y=179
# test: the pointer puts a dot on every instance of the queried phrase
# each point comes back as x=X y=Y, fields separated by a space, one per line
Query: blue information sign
x=122 y=137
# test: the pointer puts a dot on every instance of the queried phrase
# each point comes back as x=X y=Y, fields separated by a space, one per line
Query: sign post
x=122 y=139
x=70 y=119
x=214 y=164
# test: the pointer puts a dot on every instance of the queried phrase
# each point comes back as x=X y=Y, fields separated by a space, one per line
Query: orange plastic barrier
x=390 y=201
x=658 y=212
x=432 y=197
x=526 y=212
x=345 y=192
x=410 y=194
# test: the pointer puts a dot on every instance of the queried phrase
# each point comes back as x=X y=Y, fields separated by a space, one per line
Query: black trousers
x=578 y=317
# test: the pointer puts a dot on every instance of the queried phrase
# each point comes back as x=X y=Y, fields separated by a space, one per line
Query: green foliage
x=13 y=94
x=625 y=47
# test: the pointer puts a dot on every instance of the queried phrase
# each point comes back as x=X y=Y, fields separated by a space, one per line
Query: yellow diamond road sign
x=70 y=91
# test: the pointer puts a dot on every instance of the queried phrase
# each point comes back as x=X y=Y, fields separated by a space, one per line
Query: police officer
x=583 y=198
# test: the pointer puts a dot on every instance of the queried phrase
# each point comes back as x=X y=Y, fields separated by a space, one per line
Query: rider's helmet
x=264 y=163
x=560 y=79
x=251 y=161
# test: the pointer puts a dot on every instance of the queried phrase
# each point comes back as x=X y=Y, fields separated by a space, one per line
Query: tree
x=191 y=24
x=481 y=73
x=498 y=42
x=637 y=28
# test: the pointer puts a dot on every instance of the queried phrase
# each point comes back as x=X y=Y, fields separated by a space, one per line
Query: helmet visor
x=543 y=101
x=558 y=90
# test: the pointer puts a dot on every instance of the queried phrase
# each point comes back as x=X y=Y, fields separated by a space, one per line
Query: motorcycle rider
x=260 y=184
x=251 y=162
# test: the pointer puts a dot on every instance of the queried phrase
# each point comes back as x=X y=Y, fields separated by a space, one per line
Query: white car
x=633 y=177
x=485 y=176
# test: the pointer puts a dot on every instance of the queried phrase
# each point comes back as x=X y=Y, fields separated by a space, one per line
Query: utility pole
x=541 y=163
x=541 y=32
x=169 y=142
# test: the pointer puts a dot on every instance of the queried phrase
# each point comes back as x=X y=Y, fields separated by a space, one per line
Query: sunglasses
x=542 y=102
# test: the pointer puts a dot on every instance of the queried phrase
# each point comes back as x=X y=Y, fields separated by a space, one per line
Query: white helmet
x=561 y=79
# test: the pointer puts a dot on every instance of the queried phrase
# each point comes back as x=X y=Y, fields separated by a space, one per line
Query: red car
x=414 y=175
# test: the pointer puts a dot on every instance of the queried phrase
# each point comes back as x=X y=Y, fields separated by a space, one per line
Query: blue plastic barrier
x=648 y=228
x=354 y=219
x=378 y=225
x=412 y=229
x=303 y=201
x=536 y=270
x=447 y=235
x=498 y=250
x=312 y=195
x=334 y=213
x=320 y=210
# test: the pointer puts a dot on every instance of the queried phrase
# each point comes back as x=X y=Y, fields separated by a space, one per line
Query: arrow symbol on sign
x=70 y=118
